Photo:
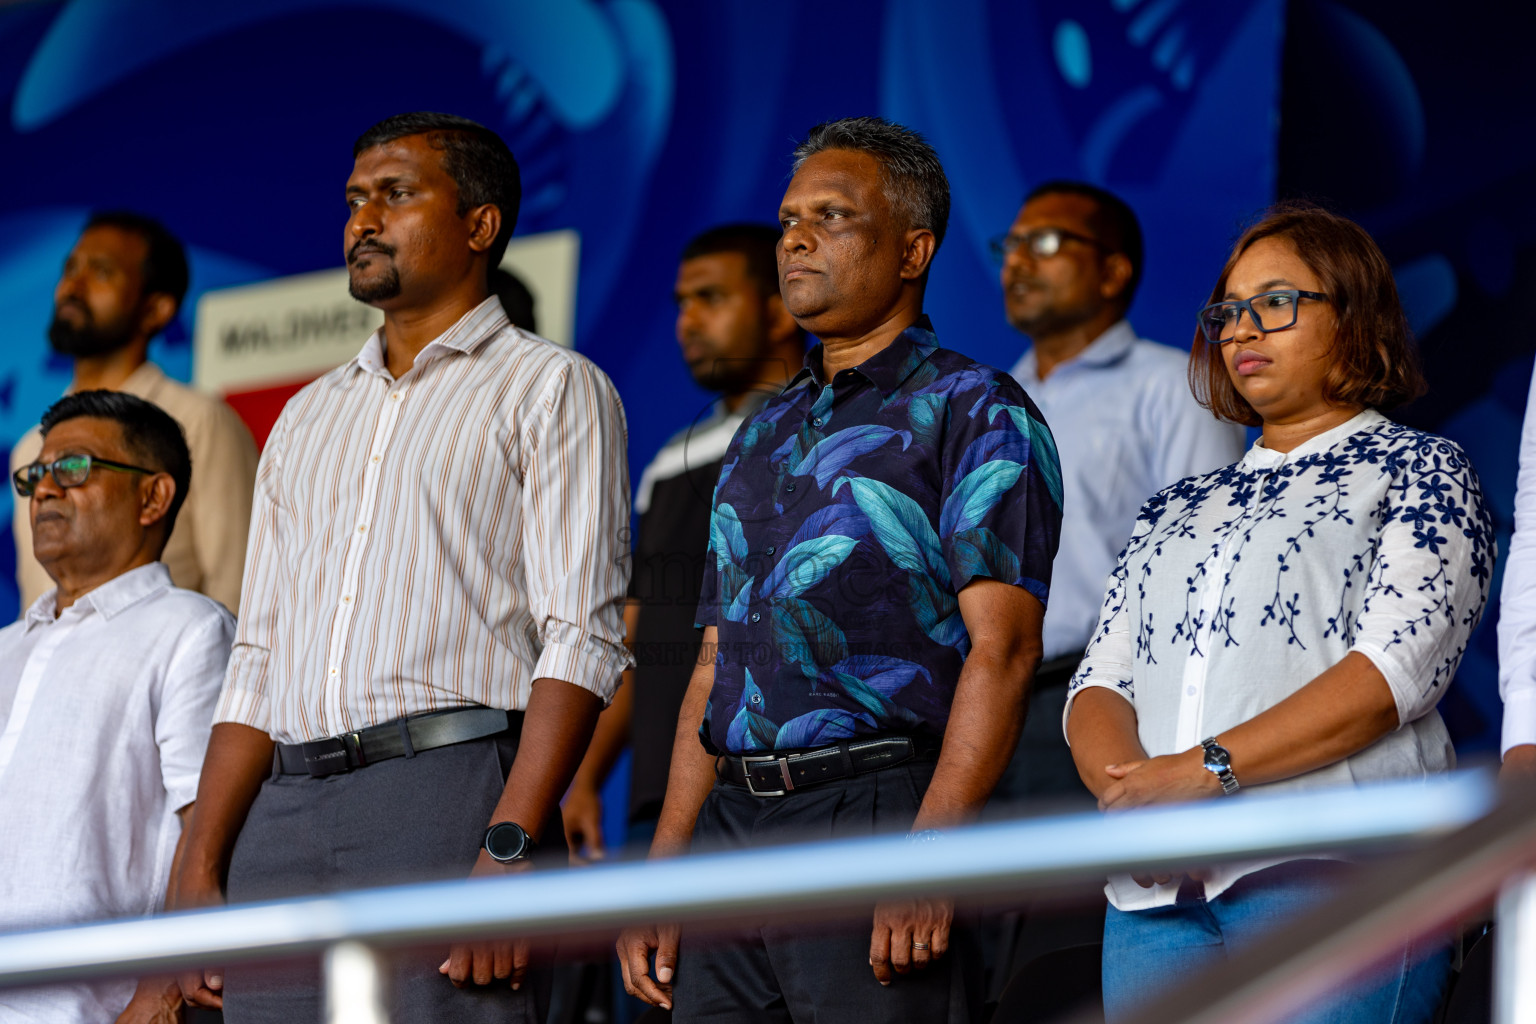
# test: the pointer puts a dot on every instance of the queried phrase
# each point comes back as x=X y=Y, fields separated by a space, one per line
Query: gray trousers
x=406 y=820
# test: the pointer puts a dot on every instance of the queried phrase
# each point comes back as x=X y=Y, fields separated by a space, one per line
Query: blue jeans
x=1147 y=952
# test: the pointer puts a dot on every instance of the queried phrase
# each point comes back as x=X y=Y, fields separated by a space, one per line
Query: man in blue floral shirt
x=881 y=552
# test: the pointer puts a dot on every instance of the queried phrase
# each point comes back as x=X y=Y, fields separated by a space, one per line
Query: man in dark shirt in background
x=738 y=340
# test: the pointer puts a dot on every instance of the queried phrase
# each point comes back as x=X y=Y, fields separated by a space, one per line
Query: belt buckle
x=326 y=757
x=354 y=744
x=789 y=783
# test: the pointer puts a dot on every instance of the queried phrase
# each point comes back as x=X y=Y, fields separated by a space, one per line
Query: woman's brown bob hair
x=1375 y=362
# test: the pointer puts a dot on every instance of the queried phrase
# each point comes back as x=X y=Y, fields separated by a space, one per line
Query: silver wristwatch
x=1219 y=763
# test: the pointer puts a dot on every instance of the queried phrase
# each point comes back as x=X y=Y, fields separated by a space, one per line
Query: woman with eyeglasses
x=1288 y=622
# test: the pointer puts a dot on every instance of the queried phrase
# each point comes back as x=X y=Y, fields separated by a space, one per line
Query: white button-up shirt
x=1241 y=586
x=1125 y=426
x=1517 y=599
x=104 y=717
x=436 y=540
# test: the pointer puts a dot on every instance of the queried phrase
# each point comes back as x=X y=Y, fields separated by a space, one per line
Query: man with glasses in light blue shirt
x=1124 y=420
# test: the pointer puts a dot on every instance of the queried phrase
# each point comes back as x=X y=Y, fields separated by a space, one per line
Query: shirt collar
x=471 y=331
x=142 y=381
x=1105 y=350
x=887 y=369
x=112 y=597
x=1259 y=457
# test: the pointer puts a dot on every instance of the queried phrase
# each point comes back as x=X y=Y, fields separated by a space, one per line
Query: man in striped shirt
x=432 y=616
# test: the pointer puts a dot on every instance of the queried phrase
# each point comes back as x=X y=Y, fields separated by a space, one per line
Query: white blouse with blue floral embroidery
x=1241 y=586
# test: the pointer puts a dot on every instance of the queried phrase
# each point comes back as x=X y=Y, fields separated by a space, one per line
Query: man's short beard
x=87 y=339
x=382 y=288
x=1051 y=321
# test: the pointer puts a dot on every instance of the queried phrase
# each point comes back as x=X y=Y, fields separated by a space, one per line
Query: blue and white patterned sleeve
x=1109 y=660
x=1429 y=581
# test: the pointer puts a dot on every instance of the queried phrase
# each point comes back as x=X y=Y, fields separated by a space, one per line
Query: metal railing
x=1447 y=819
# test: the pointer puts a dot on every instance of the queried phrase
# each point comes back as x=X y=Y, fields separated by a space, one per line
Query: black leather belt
x=781 y=774
x=404 y=737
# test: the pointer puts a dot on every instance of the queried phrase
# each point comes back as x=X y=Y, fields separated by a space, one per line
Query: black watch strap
x=507 y=842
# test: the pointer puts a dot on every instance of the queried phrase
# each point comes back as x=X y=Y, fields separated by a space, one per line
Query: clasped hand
x=155 y=1001
x=1171 y=778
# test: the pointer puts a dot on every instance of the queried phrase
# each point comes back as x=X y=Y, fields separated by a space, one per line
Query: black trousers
x=1042 y=776
x=406 y=820
x=815 y=972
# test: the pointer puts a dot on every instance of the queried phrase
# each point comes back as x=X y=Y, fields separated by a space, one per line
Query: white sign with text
x=296 y=328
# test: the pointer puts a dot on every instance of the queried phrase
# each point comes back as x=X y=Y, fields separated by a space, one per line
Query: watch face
x=1217 y=756
x=506 y=841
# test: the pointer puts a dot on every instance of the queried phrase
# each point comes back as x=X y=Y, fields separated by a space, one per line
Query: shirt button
x=816 y=422
x=757 y=698
x=362 y=528
x=771 y=549
x=789 y=487
x=376 y=458
x=347 y=599
x=756 y=616
x=394 y=396
x=333 y=671
x=1190 y=691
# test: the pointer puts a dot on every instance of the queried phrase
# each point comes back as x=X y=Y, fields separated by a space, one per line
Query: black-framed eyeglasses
x=1040 y=242
x=1268 y=311
x=68 y=471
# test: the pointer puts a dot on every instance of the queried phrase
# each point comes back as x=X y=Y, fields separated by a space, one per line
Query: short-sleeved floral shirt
x=848 y=516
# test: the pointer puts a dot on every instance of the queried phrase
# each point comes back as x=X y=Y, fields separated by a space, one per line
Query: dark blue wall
x=1407 y=118
x=636 y=122
x=640 y=122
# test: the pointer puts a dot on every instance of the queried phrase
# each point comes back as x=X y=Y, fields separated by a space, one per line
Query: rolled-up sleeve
x=1428 y=585
x=576 y=526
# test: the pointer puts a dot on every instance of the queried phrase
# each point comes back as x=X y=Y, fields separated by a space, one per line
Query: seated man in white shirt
x=1125 y=423
x=107 y=688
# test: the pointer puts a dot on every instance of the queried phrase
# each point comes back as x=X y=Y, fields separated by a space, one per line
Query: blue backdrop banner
x=637 y=123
